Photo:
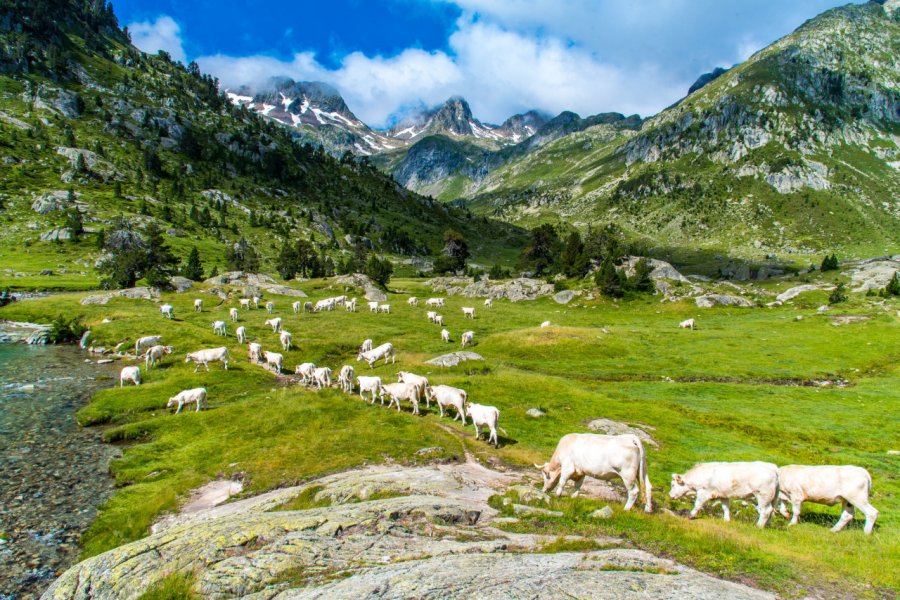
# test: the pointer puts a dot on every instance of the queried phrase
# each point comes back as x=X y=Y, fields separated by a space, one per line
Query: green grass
x=737 y=388
x=177 y=586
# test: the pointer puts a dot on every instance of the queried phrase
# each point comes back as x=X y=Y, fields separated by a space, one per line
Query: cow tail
x=643 y=475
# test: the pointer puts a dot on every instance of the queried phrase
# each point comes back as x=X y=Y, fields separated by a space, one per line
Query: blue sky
x=504 y=56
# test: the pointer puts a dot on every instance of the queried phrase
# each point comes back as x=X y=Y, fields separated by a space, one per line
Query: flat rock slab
x=710 y=300
x=610 y=427
x=454 y=358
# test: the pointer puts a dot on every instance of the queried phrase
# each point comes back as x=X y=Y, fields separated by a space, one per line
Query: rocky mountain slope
x=794 y=151
x=93 y=130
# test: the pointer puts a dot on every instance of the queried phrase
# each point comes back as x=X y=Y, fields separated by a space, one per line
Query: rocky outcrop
x=710 y=300
x=430 y=534
x=610 y=427
x=660 y=268
x=454 y=358
x=796 y=291
x=51 y=201
x=564 y=297
x=874 y=273
x=57 y=233
x=358 y=280
x=136 y=293
x=181 y=284
x=514 y=290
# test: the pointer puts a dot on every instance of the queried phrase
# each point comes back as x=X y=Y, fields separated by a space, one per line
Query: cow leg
x=782 y=509
x=795 y=509
x=726 y=509
x=702 y=498
x=765 y=509
x=477 y=433
x=564 y=476
x=494 y=437
x=846 y=517
x=441 y=408
x=634 y=490
x=579 y=480
x=871 y=514
x=180 y=405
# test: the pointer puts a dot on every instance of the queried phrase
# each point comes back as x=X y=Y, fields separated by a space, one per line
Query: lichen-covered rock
x=796 y=291
x=873 y=274
x=181 y=284
x=660 y=268
x=710 y=300
x=284 y=290
x=454 y=358
x=135 y=293
x=57 y=233
x=563 y=297
x=610 y=427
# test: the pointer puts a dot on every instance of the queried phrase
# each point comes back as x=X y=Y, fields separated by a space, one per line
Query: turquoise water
x=53 y=475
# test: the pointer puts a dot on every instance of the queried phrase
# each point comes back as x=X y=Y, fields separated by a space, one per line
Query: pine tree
x=161 y=263
x=838 y=294
x=610 y=281
x=573 y=262
x=214 y=272
x=893 y=286
x=193 y=268
x=829 y=263
x=641 y=280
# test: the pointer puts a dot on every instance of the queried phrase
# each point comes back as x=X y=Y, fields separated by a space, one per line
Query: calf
x=484 y=415
x=322 y=377
x=827 y=484
x=727 y=480
x=489 y=303
x=445 y=335
x=219 y=328
x=579 y=455
x=274 y=360
x=307 y=307
x=467 y=338
x=285 y=338
x=446 y=396
x=270 y=306
x=166 y=310
x=132 y=374
x=307 y=372
x=146 y=342
x=241 y=333
x=195 y=396
x=385 y=351
x=233 y=314
x=687 y=324
x=370 y=384
x=366 y=346
x=403 y=391
x=204 y=357
x=345 y=378
x=154 y=354
x=255 y=352
x=275 y=323
x=384 y=308
x=198 y=305
x=469 y=312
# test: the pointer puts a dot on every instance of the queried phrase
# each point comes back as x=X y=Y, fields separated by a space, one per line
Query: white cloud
x=162 y=34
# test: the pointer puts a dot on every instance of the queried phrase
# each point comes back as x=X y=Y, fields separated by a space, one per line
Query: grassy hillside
x=740 y=387
x=90 y=125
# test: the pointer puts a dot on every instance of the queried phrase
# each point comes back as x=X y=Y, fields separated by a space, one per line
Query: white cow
x=468 y=312
x=726 y=480
x=274 y=360
x=245 y=303
x=827 y=484
x=431 y=315
x=484 y=415
x=255 y=352
x=285 y=338
x=366 y=346
x=412 y=301
x=445 y=335
x=307 y=372
x=166 y=310
x=403 y=391
x=241 y=333
x=384 y=308
x=198 y=305
x=434 y=302
x=545 y=324
x=687 y=324
x=204 y=357
x=275 y=323
x=385 y=351
x=270 y=306
x=154 y=354
x=370 y=384
x=439 y=320
x=373 y=307
x=219 y=328
x=345 y=378
x=350 y=305
x=297 y=306
x=308 y=307
x=327 y=304
x=233 y=314
x=146 y=342
x=132 y=374
x=418 y=381
x=256 y=300
x=322 y=377
x=578 y=455
x=446 y=396
x=194 y=396
x=489 y=303
x=467 y=338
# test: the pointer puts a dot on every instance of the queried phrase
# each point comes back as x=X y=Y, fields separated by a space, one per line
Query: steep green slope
x=89 y=124
x=793 y=152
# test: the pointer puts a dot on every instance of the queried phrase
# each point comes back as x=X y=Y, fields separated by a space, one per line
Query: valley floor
x=747 y=384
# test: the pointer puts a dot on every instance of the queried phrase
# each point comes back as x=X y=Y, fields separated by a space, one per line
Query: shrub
x=838 y=294
x=829 y=263
x=893 y=286
x=64 y=330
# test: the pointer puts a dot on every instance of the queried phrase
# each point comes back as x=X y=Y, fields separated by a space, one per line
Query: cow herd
x=577 y=455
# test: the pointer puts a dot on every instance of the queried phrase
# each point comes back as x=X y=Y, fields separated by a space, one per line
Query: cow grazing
x=431 y=315
x=146 y=342
x=373 y=307
x=256 y=300
x=366 y=346
x=467 y=338
x=285 y=338
x=370 y=384
x=445 y=335
x=345 y=378
x=545 y=324
x=204 y=357
x=439 y=320
x=687 y=324
x=578 y=455
x=306 y=371
x=468 y=312
x=219 y=328
x=274 y=360
x=322 y=377
x=194 y=396
x=327 y=304
x=132 y=374
x=412 y=301
x=446 y=396
x=307 y=307
x=198 y=305
x=403 y=391
x=154 y=354
x=827 y=484
x=418 y=381
x=166 y=310
x=350 y=305
x=487 y=416
x=385 y=351
x=434 y=302
x=241 y=333
x=275 y=323
x=726 y=480
x=233 y=314
x=255 y=350
x=297 y=306
x=270 y=306
x=245 y=303
x=384 y=308
x=489 y=303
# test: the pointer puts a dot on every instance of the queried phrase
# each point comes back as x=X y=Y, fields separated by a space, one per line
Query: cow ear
x=677 y=479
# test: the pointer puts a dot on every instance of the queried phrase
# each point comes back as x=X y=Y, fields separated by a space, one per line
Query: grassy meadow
x=740 y=387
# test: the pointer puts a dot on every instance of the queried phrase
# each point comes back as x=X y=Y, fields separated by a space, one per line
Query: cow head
x=187 y=358
x=168 y=349
x=551 y=476
x=401 y=375
x=173 y=401
x=360 y=356
x=468 y=407
x=679 y=488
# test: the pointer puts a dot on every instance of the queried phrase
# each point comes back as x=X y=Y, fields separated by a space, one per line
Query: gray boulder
x=57 y=233
x=602 y=513
x=284 y=290
x=710 y=300
x=536 y=413
x=564 y=297
x=454 y=358
x=610 y=427
x=796 y=291
x=181 y=284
